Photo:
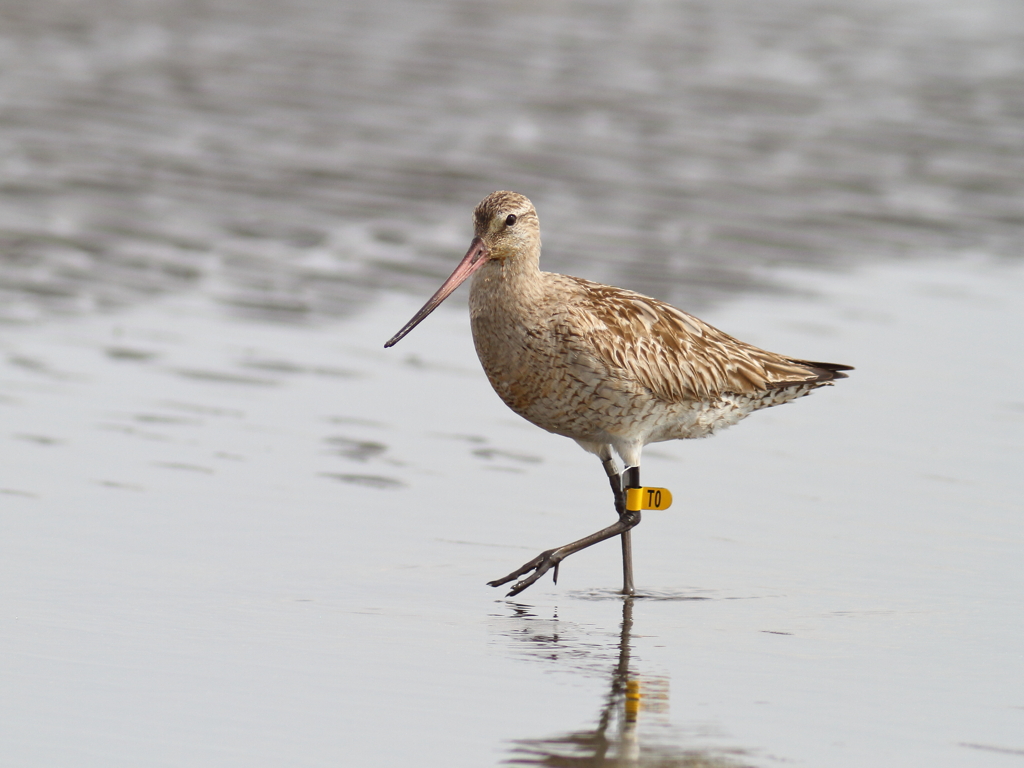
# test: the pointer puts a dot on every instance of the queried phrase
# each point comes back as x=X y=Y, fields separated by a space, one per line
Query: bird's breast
x=542 y=366
x=520 y=359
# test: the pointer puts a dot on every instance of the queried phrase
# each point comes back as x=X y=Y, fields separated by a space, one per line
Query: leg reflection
x=631 y=728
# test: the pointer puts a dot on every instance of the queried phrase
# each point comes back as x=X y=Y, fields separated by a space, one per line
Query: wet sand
x=231 y=542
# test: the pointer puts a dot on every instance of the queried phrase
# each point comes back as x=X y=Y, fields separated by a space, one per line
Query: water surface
x=234 y=530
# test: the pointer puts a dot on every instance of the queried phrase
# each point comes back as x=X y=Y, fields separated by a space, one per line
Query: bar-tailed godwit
x=610 y=368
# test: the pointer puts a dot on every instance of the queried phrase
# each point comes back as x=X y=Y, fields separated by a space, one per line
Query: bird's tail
x=825 y=371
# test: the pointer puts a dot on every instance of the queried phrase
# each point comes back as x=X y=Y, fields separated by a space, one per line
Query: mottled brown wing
x=675 y=355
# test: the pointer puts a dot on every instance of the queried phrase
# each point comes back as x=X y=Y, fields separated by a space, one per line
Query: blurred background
x=295 y=159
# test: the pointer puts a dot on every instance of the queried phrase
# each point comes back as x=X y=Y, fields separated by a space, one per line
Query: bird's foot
x=540 y=565
x=545 y=561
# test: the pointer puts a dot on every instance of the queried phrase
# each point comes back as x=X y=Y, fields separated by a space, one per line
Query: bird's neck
x=507 y=283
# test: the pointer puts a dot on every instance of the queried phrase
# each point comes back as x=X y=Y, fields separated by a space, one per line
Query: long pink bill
x=475 y=257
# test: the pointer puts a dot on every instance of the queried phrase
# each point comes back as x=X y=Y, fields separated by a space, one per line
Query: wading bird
x=610 y=368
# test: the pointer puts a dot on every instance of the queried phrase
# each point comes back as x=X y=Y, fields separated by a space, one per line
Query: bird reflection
x=616 y=740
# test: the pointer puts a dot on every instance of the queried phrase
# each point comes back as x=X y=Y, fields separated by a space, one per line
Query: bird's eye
x=510 y=220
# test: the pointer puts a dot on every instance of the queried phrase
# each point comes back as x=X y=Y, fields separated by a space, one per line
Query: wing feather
x=674 y=354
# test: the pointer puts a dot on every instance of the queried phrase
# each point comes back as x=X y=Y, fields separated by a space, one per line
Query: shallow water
x=234 y=542
x=234 y=530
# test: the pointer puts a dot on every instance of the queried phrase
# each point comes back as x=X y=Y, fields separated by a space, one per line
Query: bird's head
x=507 y=232
x=506 y=226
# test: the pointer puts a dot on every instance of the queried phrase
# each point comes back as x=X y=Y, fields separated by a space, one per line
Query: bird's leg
x=616 y=482
x=628 y=520
x=633 y=481
x=632 y=477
